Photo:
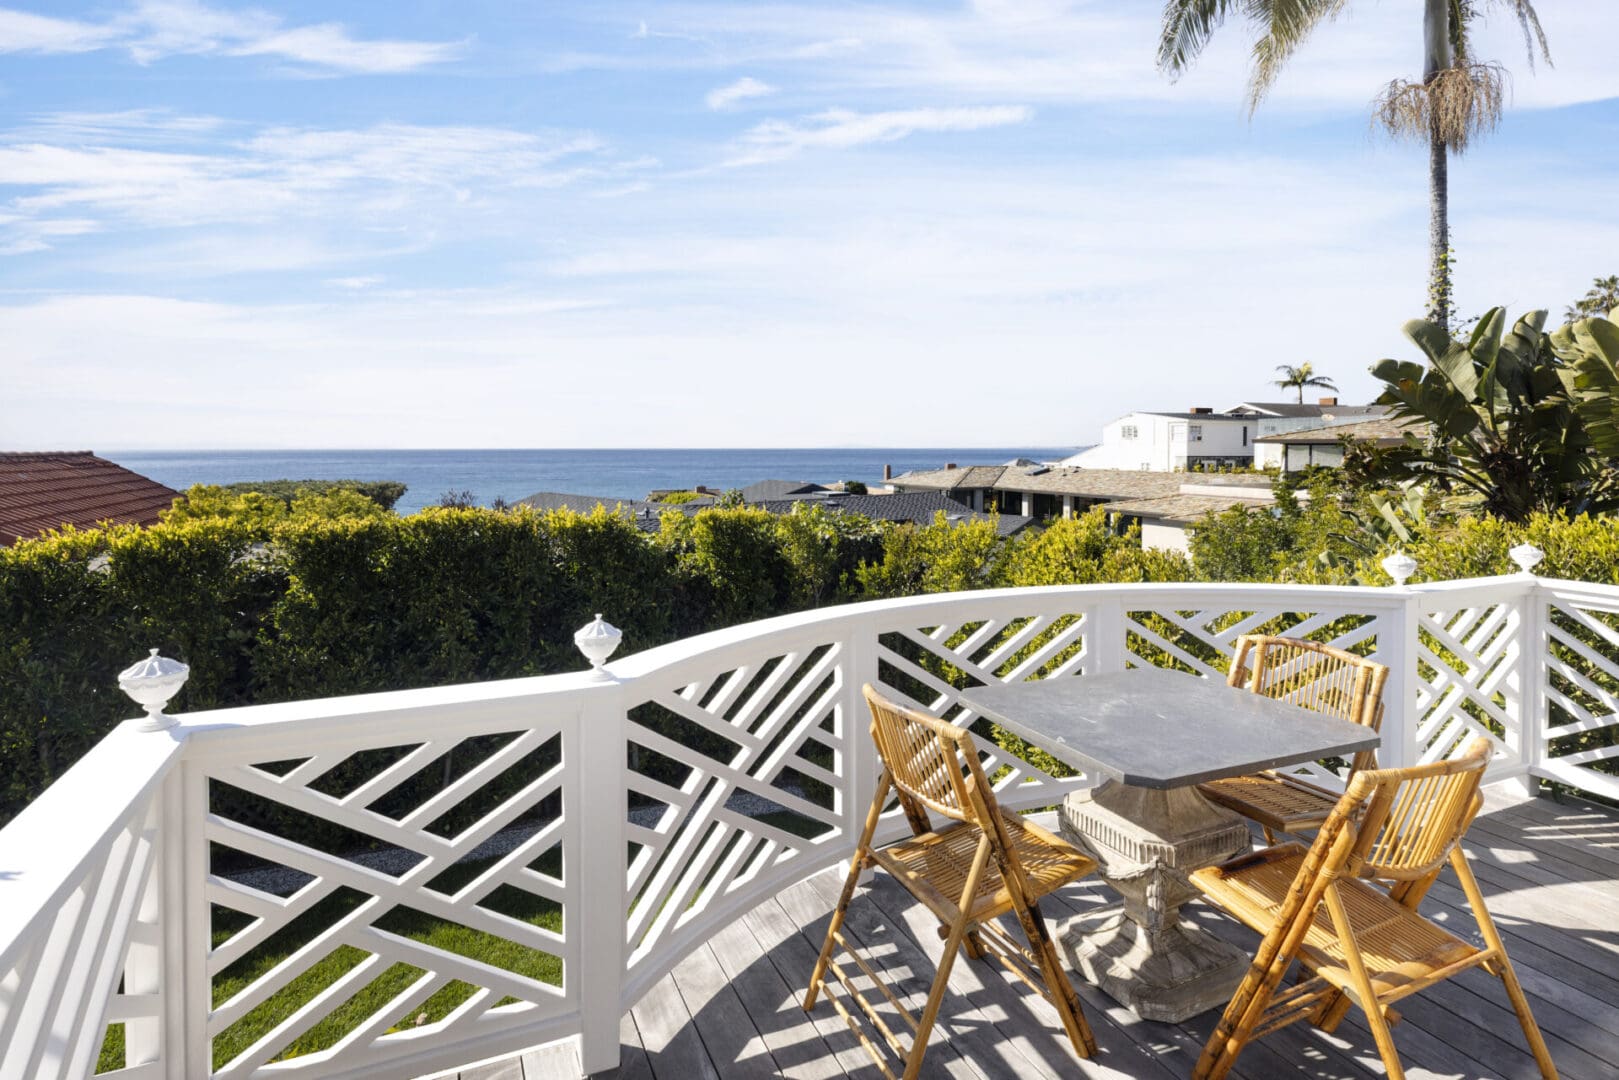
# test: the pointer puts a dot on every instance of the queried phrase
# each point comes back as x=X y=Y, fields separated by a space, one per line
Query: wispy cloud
x=79 y=172
x=728 y=96
x=153 y=30
x=841 y=129
x=21 y=31
x=1083 y=51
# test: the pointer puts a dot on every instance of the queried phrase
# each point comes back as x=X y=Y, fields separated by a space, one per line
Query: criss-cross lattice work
x=1355 y=942
x=928 y=667
x=111 y=913
x=1465 y=659
x=983 y=865
x=1204 y=641
x=1582 y=694
x=427 y=890
x=1315 y=677
x=733 y=777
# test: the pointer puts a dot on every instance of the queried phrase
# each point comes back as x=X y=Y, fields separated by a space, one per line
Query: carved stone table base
x=1147 y=958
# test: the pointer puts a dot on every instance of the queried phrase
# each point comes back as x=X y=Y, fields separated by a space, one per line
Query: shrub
x=385 y=493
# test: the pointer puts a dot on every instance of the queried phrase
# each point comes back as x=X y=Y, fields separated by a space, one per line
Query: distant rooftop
x=46 y=490
x=920 y=507
x=1382 y=431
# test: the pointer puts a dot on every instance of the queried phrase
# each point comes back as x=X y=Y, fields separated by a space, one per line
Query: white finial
x=1400 y=566
x=597 y=640
x=1527 y=556
x=151 y=683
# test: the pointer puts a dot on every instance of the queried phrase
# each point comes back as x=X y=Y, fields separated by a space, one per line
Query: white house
x=1201 y=437
x=1170 y=441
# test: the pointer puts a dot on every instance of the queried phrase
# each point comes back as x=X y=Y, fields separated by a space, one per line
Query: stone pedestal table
x=1149 y=736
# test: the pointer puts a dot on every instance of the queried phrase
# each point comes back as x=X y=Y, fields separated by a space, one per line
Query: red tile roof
x=40 y=491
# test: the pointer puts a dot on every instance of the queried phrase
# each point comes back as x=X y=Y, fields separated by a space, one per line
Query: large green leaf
x=1592 y=348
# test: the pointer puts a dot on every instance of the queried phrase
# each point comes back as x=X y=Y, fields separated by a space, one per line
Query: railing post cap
x=1400 y=567
x=150 y=683
x=1527 y=556
x=597 y=640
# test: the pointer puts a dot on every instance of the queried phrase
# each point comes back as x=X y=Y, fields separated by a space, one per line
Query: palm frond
x=1534 y=35
x=1284 y=26
x=1188 y=26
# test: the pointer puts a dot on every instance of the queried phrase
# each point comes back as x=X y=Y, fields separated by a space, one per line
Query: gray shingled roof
x=644 y=513
x=917 y=506
x=1384 y=431
x=1183 y=508
x=973 y=476
x=1296 y=409
x=778 y=489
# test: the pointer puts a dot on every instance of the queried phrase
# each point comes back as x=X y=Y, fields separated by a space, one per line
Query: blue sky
x=738 y=223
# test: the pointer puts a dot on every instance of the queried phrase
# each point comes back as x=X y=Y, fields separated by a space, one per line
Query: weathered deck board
x=1549 y=871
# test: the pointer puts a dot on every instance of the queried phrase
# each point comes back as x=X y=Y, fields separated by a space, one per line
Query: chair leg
x=1370 y=1006
x=857 y=864
x=1062 y=992
x=1526 y=1020
x=947 y=960
x=1509 y=977
x=973 y=946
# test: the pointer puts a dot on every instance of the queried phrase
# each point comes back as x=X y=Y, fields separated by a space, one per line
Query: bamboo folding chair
x=1355 y=942
x=1315 y=677
x=969 y=872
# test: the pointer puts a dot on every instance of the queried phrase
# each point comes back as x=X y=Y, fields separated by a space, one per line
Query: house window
x=1128 y=431
x=1194 y=433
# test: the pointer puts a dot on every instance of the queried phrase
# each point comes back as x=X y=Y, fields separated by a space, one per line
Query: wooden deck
x=1550 y=872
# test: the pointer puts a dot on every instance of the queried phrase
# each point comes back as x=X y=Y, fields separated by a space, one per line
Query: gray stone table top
x=1163 y=729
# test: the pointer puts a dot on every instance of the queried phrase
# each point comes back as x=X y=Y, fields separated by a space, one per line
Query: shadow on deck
x=1550 y=872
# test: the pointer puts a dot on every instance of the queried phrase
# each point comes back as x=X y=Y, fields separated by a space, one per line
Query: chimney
x=1327 y=401
x=1201 y=410
x=950 y=464
x=888 y=472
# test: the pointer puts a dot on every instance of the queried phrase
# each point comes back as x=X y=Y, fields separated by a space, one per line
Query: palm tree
x=1458 y=98
x=1300 y=377
x=1602 y=298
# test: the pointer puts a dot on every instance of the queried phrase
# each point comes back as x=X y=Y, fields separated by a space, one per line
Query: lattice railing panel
x=1203 y=641
x=1582 y=695
x=1464 y=660
x=930 y=666
x=366 y=899
x=733 y=778
x=57 y=1002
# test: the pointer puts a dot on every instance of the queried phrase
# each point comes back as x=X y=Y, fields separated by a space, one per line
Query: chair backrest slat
x=931 y=761
x=1313 y=676
x=1403 y=823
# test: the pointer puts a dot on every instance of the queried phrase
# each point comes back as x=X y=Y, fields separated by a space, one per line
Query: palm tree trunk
x=1436 y=58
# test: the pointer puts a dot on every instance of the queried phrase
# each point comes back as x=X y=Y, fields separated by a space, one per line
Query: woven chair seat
x=1278 y=803
x=934 y=867
x=1402 y=950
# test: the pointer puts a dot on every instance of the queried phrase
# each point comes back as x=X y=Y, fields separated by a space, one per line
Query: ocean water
x=515 y=474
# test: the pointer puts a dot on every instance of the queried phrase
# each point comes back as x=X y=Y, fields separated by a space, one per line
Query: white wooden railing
x=164 y=860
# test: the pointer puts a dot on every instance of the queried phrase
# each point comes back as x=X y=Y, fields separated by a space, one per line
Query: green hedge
x=329 y=594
